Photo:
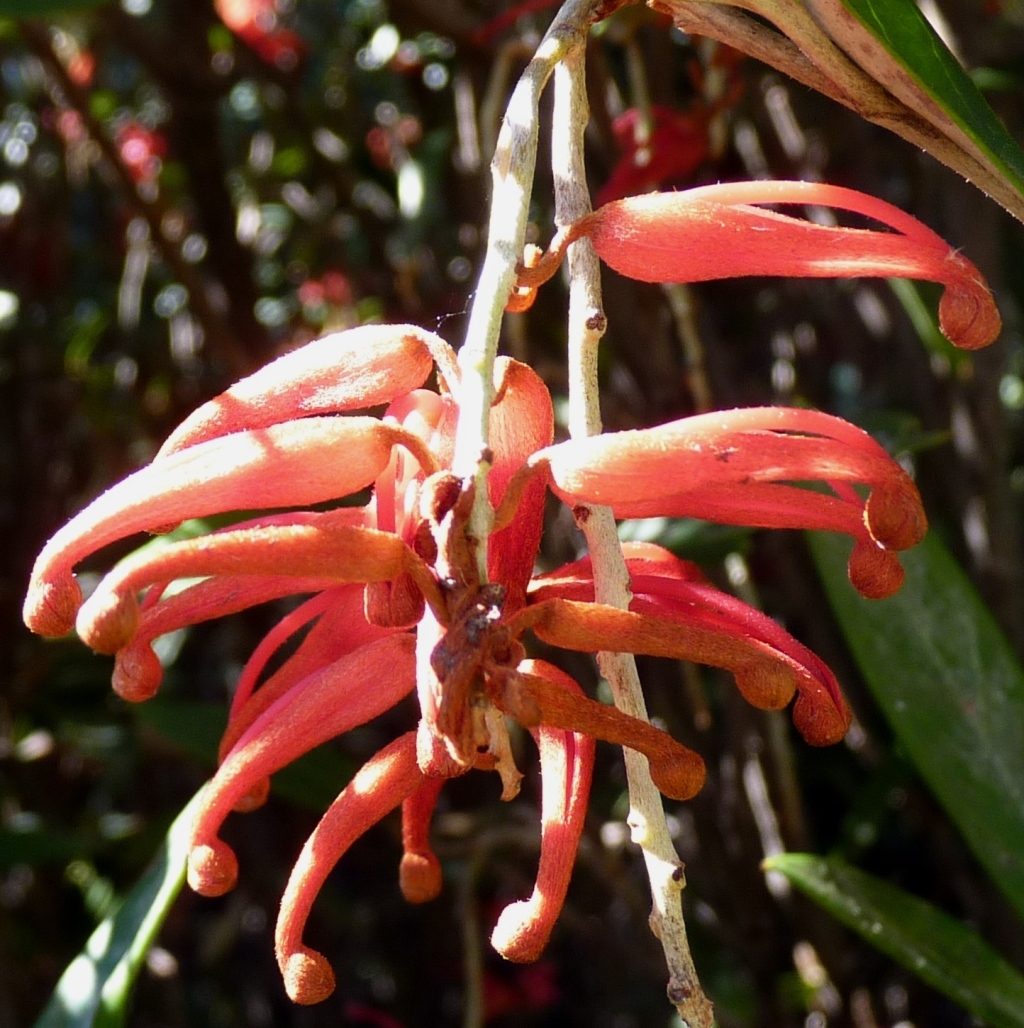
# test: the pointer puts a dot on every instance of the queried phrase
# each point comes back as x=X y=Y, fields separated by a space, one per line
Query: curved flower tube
x=137 y=669
x=419 y=874
x=360 y=368
x=283 y=465
x=344 y=694
x=395 y=602
x=567 y=766
x=379 y=786
x=715 y=232
x=736 y=467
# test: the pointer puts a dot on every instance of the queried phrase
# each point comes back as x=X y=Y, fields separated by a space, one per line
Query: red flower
x=714 y=232
x=255 y=22
x=397 y=603
x=676 y=146
x=142 y=151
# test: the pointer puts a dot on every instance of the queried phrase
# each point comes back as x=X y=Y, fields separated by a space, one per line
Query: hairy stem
x=611 y=580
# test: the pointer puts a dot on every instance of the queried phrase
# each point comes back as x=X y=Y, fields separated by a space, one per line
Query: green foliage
x=95 y=989
x=952 y=690
x=945 y=953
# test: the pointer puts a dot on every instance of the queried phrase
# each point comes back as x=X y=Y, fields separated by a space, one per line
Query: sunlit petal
x=566 y=767
x=360 y=368
x=347 y=693
x=382 y=783
x=712 y=232
x=293 y=464
x=737 y=467
x=109 y=619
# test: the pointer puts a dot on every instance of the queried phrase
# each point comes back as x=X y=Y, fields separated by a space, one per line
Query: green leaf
x=910 y=40
x=94 y=990
x=893 y=42
x=952 y=690
x=935 y=946
x=43 y=8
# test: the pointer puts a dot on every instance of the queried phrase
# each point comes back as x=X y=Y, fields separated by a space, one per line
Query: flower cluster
x=397 y=604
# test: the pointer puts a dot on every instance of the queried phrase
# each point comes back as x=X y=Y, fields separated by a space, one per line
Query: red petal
x=419 y=875
x=293 y=464
x=360 y=368
x=109 y=619
x=821 y=712
x=340 y=630
x=712 y=232
x=676 y=145
x=664 y=585
x=735 y=467
x=349 y=692
x=522 y=422
x=137 y=670
x=382 y=783
x=766 y=675
x=535 y=700
x=641 y=559
x=566 y=767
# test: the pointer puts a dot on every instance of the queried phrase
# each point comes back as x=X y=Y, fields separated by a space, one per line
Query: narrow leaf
x=952 y=690
x=95 y=988
x=935 y=946
x=894 y=43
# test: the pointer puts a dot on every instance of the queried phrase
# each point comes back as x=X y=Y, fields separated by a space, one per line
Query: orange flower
x=397 y=604
x=714 y=232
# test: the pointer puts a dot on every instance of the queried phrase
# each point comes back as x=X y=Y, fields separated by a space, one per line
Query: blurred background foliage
x=188 y=188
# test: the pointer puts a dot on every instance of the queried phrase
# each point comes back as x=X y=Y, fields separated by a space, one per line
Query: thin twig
x=512 y=171
x=649 y=828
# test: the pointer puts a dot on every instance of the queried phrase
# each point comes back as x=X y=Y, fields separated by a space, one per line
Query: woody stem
x=611 y=580
x=512 y=171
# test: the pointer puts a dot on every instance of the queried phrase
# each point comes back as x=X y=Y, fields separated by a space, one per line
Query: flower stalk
x=586 y=325
x=512 y=170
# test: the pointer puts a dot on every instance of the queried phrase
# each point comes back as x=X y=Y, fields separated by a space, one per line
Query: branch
x=587 y=322
x=512 y=169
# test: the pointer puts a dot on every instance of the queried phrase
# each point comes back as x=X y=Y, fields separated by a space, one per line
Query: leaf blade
x=932 y=944
x=957 y=701
x=924 y=75
x=95 y=988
